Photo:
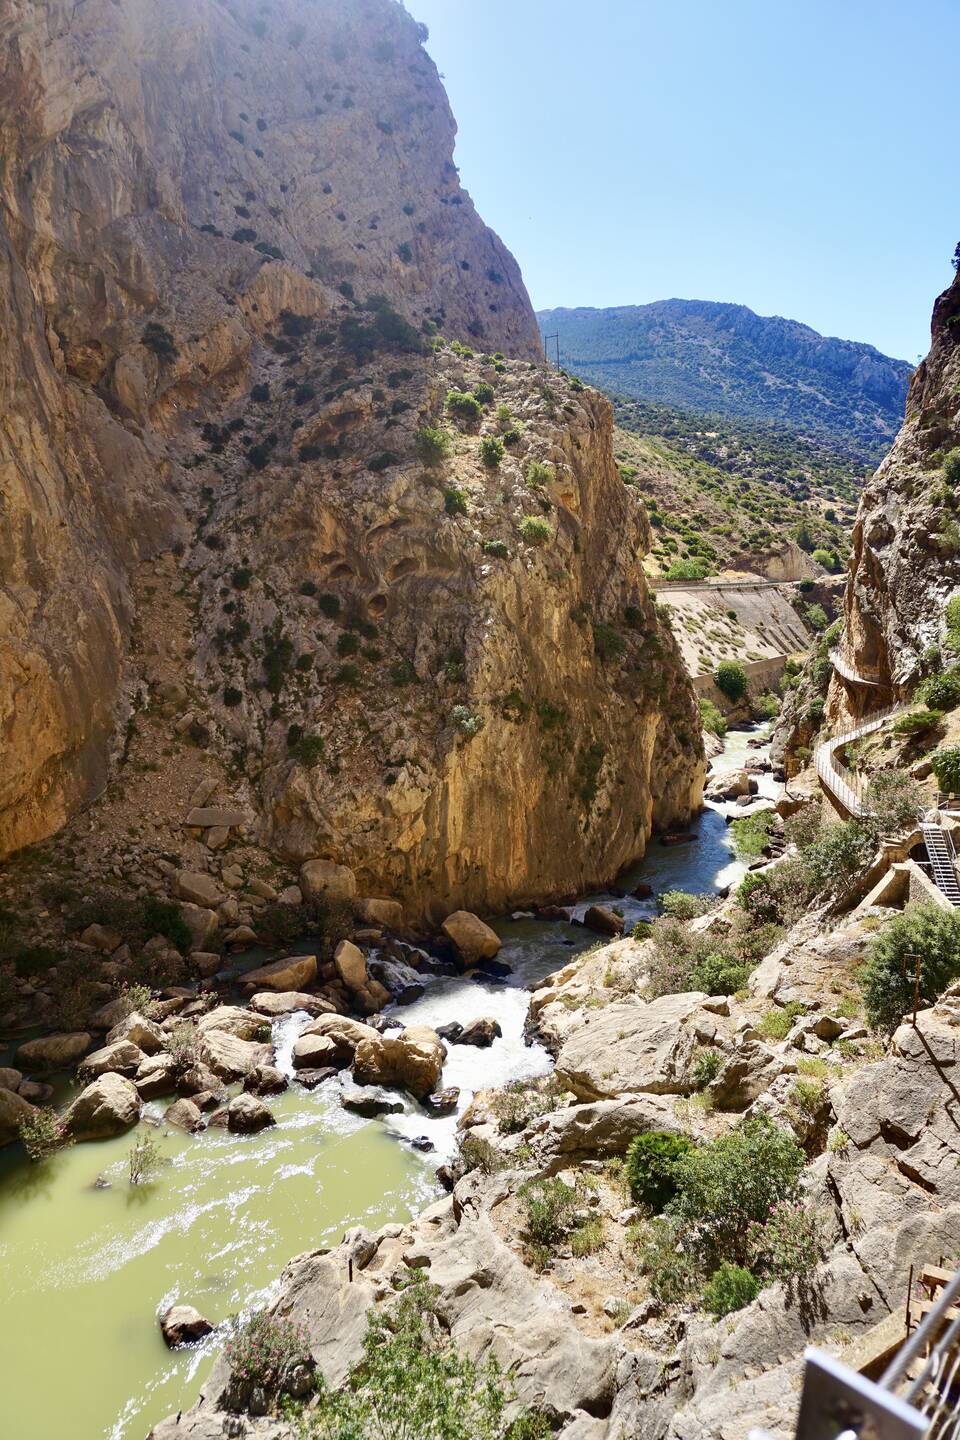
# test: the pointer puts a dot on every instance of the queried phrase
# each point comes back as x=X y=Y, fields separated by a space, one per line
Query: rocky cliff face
x=232 y=233
x=906 y=545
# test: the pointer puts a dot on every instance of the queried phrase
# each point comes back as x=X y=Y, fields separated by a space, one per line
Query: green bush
x=432 y=445
x=550 y=1205
x=837 y=856
x=467 y=721
x=711 y=719
x=917 y=722
x=731 y=680
x=826 y=558
x=538 y=473
x=940 y=692
x=946 y=767
x=729 y=1288
x=43 y=1133
x=725 y=1184
x=455 y=501
x=951 y=467
x=520 y=1102
x=535 y=530
x=897 y=802
x=817 y=618
x=496 y=547
x=688 y=570
x=262 y=1350
x=484 y=393
x=751 y=835
x=649 y=1168
x=719 y=973
x=683 y=905
x=328 y=605
x=788 y=1244
x=670 y=1270
x=463 y=405
x=777 y=1022
x=608 y=643
x=705 y=1068
x=157 y=338
x=491 y=451
x=887 y=979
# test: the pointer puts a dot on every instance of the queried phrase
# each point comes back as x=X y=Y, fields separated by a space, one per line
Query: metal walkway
x=847 y=787
x=843 y=668
x=939 y=843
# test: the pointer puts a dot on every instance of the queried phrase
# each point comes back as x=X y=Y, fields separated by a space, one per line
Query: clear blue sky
x=798 y=156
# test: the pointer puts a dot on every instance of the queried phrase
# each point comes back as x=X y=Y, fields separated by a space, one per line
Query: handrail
x=658 y=582
x=844 y=668
x=842 y=782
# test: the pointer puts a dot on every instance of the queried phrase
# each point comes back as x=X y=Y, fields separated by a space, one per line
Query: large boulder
x=388 y=913
x=350 y=965
x=120 y=1058
x=631 y=1047
x=198 y=889
x=323 y=880
x=265 y=1080
x=245 y=1024
x=184 y=1114
x=229 y=1057
x=108 y=1106
x=182 y=1325
x=13 y=1111
x=202 y=924
x=603 y=921
x=402 y=983
x=246 y=1115
x=271 y=1004
x=340 y=1027
x=473 y=939
x=730 y=785
x=412 y=1061
x=145 y=1034
x=481 y=1032
x=156 y=1075
x=53 y=1052
x=215 y=817
x=320 y=1052
x=291 y=973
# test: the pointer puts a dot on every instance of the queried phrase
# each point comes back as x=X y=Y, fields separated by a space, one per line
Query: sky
x=796 y=156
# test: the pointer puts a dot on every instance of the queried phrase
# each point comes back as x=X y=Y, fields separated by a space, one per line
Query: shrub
x=587 y=1238
x=651 y=1159
x=308 y=750
x=682 y=905
x=719 y=973
x=731 y=680
x=951 y=467
x=608 y=643
x=670 y=1270
x=479 y=1154
x=157 y=338
x=729 y=1288
x=538 y=473
x=432 y=445
x=328 y=605
x=705 y=1068
x=765 y=707
x=887 y=979
x=463 y=405
x=521 y=1102
x=837 y=855
x=136 y=998
x=535 y=530
x=751 y=835
x=688 y=570
x=777 y=1022
x=455 y=501
x=711 y=719
x=940 y=692
x=725 y=1184
x=43 y=1133
x=826 y=558
x=491 y=451
x=181 y=1045
x=484 y=393
x=496 y=547
x=467 y=721
x=788 y=1243
x=262 y=1350
x=897 y=802
x=232 y=696
x=917 y=722
x=143 y=1160
x=946 y=767
x=241 y=577
x=549 y=1206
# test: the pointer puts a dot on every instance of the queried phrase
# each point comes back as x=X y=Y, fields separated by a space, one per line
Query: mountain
x=727 y=360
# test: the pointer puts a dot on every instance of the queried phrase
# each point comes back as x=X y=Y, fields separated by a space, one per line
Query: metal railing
x=843 y=667
x=852 y=791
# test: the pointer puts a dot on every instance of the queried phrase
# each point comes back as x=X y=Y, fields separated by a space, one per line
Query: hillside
x=724 y=359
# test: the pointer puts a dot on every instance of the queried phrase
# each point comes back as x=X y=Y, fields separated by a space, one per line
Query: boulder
x=53 y=1052
x=36 y=1091
x=245 y=1024
x=473 y=939
x=240 y=935
x=206 y=962
x=182 y=1325
x=101 y=938
x=443 y=1102
x=370 y=1102
x=350 y=965
x=290 y=895
x=122 y=1057
x=312 y=1052
x=265 y=1080
x=631 y=1047
x=229 y=1057
x=14 y=1109
x=388 y=913
x=412 y=1061
x=143 y=1033
x=184 y=1114
x=293 y=973
x=310 y=1079
x=10 y=1078
x=201 y=922
x=481 y=1032
x=156 y=1075
x=730 y=785
x=246 y=1115
x=323 y=880
x=108 y=1106
x=402 y=982
x=198 y=888
x=206 y=817
x=450 y=1032
x=271 y=1004
x=110 y=1014
x=340 y=1027
x=603 y=920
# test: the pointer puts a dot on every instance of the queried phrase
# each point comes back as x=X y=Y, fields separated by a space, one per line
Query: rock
x=473 y=939
x=197 y=888
x=481 y=1032
x=111 y=1014
x=286 y=1002
x=213 y=816
x=311 y=1052
x=265 y=1080
x=350 y=965
x=388 y=913
x=310 y=1079
x=323 y=880
x=246 y=1115
x=631 y=1047
x=262 y=888
x=729 y=785
x=370 y=1102
x=422 y=1142
x=240 y=935
x=401 y=982
x=229 y=1057
x=245 y=1024
x=293 y=973
x=9 y=1078
x=121 y=1057
x=413 y=1061
x=201 y=922
x=343 y=1028
x=552 y=912
x=643 y=891
x=184 y=1114
x=206 y=962
x=53 y=1052
x=143 y=1033
x=442 y=1102
x=14 y=1109
x=156 y=1076
x=450 y=1032
x=603 y=920
x=216 y=838
x=108 y=1106
x=290 y=895
x=182 y=1325
x=101 y=938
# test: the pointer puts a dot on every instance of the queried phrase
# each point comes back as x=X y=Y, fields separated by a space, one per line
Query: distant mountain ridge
x=727 y=360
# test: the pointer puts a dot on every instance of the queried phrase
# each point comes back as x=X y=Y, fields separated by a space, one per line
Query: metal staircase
x=942 y=856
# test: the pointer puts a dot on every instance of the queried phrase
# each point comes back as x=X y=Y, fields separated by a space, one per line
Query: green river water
x=87 y=1269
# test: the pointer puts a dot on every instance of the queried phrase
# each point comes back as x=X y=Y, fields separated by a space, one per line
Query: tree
x=731 y=680
x=887 y=980
x=955 y=262
x=946 y=767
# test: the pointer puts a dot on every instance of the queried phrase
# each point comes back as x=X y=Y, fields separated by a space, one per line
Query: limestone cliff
x=906 y=544
x=231 y=232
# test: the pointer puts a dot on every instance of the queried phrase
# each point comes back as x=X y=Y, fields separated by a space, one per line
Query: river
x=88 y=1267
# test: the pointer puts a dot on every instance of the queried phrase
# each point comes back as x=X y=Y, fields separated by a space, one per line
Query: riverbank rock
x=246 y=1115
x=412 y=1061
x=321 y=1052
x=323 y=880
x=203 y=925
x=198 y=888
x=156 y=1076
x=265 y=1080
x=294 y=972
x=603 y=921
x=388 y=913
x=272 y=1005
x=480 y=1032
x=229 y=1057
x=182 y=1325
x=350 y=965
x=138 y=1030
x=402 y=983
x=730 y=785
x=370 y=1102
x=473 y=939
x=631 y=1047
x=53 y=1052
x=121 y=1058
x=234 y=1020
x=14 y=1110
x=184 y=1114
x=108 y=1106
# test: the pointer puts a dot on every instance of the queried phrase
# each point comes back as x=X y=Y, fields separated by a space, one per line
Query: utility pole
x=548 y=338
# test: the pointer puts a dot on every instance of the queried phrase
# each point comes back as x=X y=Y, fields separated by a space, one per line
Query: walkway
x=846 y=787
x=846 y=670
